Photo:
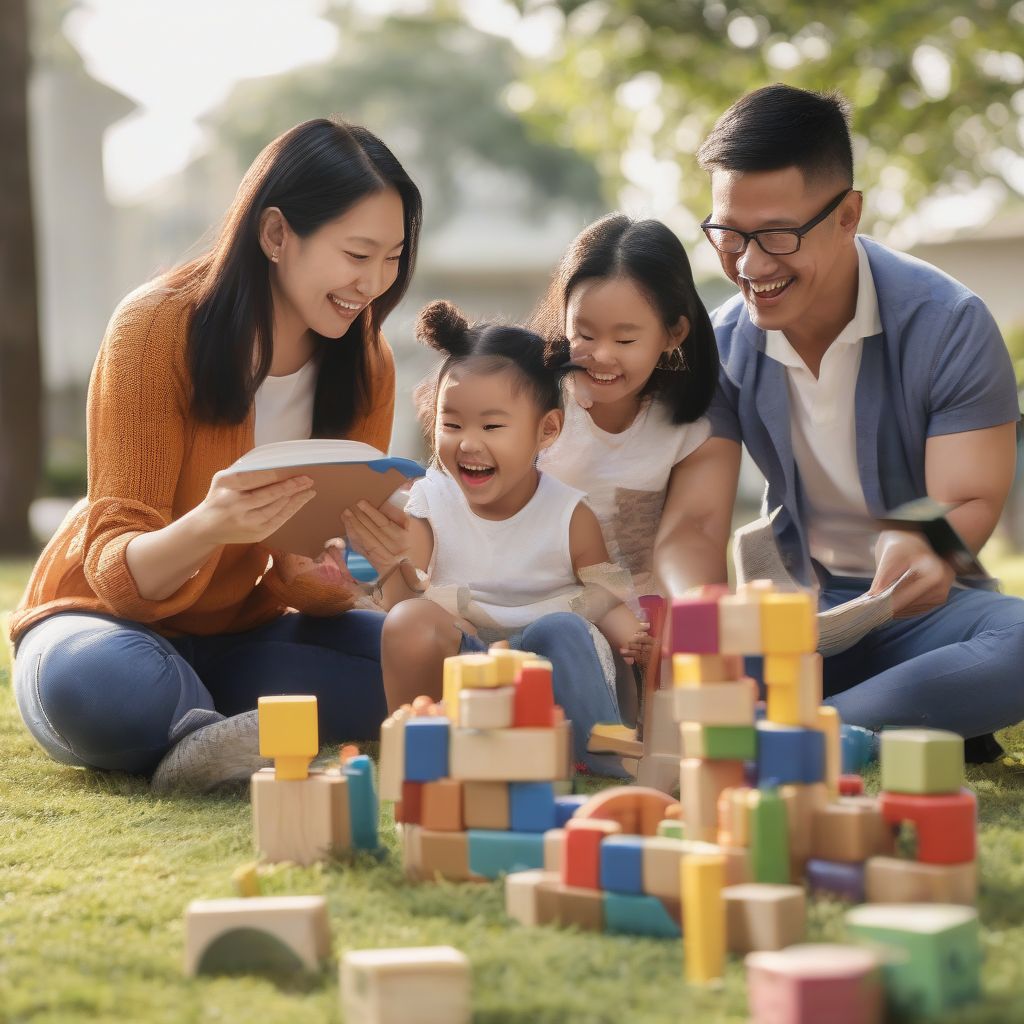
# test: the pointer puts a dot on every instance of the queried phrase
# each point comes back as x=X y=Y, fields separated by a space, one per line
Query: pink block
x=694 y=625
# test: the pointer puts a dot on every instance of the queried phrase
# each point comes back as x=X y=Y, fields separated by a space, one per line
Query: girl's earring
x=674 y=361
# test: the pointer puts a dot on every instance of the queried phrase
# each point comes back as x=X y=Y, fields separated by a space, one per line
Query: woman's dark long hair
x=650 y=255
x=313 y=173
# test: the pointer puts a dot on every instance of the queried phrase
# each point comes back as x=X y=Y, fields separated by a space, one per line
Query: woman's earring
x=274 y=255
x=674 y=361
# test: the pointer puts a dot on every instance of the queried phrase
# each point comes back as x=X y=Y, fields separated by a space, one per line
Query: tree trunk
x=20 y=375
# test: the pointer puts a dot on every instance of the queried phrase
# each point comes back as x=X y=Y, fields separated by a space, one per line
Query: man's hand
x=927 y=586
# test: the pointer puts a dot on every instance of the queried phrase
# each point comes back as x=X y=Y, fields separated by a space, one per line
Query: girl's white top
x=500 y=575
x=625 y=476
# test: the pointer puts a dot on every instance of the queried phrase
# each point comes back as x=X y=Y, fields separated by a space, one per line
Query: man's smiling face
x=784 y=291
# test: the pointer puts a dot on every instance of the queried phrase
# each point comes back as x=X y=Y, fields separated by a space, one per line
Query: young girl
x=508 y=548
x=623 y=307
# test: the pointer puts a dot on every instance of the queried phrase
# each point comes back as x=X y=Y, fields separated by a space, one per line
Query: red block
x=655 y=608
x=851 y=785
x=581 y=851
x=945 y=824
x=534 y=698
x=409 y=810
x=694 y=625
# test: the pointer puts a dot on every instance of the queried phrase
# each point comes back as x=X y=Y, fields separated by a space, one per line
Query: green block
x=922 y=761
x=769 y=838
x=671 y=828
x=931 y=957
x=730 y=742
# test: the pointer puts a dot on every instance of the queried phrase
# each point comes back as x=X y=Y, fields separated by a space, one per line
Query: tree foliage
x=937 y=88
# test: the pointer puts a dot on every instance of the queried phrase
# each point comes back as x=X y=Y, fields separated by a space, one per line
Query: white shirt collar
x=866 y=322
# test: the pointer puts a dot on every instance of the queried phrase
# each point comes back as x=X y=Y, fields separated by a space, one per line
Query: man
x=860 y=378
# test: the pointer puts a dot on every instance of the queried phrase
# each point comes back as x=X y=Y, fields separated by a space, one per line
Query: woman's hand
x=381 y=536
x=930 y=577
x=246 y=508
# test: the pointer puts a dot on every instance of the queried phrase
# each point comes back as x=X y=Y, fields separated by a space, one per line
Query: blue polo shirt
x=939 y=366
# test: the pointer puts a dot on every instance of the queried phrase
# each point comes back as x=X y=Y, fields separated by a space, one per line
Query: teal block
x=622 y=864
x=500 y=853
x=922 y=761
x=639 y=915
x=769 y=839
x=364 y=813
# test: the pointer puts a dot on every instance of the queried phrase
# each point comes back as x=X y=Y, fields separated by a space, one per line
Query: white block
x=716 y=703
x=509 y=755
x=487 y=709
x=392 y=755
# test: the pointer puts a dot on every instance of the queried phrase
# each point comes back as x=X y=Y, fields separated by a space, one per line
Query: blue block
x=362 y=802
x=567 y=806
x=836 y=878
x=426 y=749
x=789 y=754
x=500 y=853
x=622 y=864
x=531 y=806
x=859 y=748
x=638 y=915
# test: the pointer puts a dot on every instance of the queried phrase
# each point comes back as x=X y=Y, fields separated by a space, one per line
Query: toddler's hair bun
x=442 y=326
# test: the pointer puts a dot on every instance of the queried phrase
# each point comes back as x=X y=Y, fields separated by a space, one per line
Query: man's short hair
x=779 y=126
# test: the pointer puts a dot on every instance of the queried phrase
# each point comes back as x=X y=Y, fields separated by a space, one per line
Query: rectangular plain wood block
x=528 y=900
x=788 y=624
x=554 y=849
x=445 y=854
x=442 y=806
x=922 y=761
x=737 y=859
x=829 y=725
x=850 y=829
x=716 y=704
x=299 y=820
x=392 y=755
x=486 y=709
x=802 y=801
x=580 y=908
x=739 y=624
x=509 y=755
x=661 y=858
x=410 y=839
x=719 y=742
x=701 y=669
x=700 y=784
x=760 y=916
x=693 y=624
x=486 y=805
x=661 y=734
x=423 y=985
x=298 y=922
x=734 y=815
x=703 y=878
x=893 y=880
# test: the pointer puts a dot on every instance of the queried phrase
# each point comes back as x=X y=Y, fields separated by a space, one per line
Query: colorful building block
x=788 y=624
x=922 y=761
x=850 y=829
x=719 y=742
x=486 y=805
x=704 y=935
x=789 y=754
x=894 y=880
x=532 y=806
x=700 y=784
x=496 y=853
x=509 y=755
x=289 y=733
x=300 y=820
x=392 y=755
x=508 y=662
x=409 y=810
x=426 y=749
x=851 y=785
x=486 y=709
x=944 y=824
x=534 y=696
x=531 y=897
x=859 y=748
x=794 y=685
x=638 y=915
x=760 y=916
x=802 y=801
x=566 y=806
x=702 y=669
x=829 y=726
x=581 y=864
x=739 y=624
x=554 y=850
x=769 y=837
x=442 y=805
x=581 y=908
x=636 y=808
x=363 y=810
x=842 y=880
x=622 y=864
x=693 y=623
x=716 y=704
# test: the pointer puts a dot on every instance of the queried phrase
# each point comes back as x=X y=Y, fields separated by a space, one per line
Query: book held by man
x=343 y=473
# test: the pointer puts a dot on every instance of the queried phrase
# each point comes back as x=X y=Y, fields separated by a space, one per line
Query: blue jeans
x=957 y=667
x=579 y=682
x=105 y=693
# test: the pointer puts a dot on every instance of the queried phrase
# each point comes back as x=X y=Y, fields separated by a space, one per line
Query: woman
x=156 y=617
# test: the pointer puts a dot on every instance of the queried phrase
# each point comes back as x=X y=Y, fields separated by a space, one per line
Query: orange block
x=535 y=696
x=581 y=852
x=442 y=805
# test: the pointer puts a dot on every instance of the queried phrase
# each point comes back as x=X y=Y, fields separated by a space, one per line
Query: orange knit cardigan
x=150 y=462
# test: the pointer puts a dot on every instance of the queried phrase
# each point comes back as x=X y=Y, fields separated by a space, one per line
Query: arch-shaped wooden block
x=637 y=809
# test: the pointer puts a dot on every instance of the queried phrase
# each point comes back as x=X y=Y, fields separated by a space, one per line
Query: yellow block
x=703 y=876
x=451 y=685
x=508 y=663
x=829 y=722
x=289 y=734
x=480 y=671
x=794 y=688
x=699 y=669
x=788 y=624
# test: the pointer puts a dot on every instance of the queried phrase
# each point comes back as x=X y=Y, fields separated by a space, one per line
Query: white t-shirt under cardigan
x=284 y=406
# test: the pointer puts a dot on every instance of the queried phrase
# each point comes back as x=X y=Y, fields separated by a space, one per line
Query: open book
x=343 y=473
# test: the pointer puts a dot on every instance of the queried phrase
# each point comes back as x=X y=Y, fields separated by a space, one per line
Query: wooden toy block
x=581 y=860
x=554 y=850
x=246 y=880
x=409 y=810
x=508 y=662
x=717 y=704
x=363 y=809
x=444 y=854
x=734 y=816
x=534 y=696
x=508 y=755
x=427 y=742
x=451 y=687
x=660 y=873
x=659 y=771
x=532 y=897
x=531 y=806
x=626 y=914
x=737 y=859
x=693 y=623
x=492 y=854
x=423 y=985
x=704 y=669
x=622 y=865
x=486 y=805
x=486 y=709
x=828 y=725
x=945 y=824
x=935 y=960
x=739 y=624
x=850 y=830
x=700 y=783
x=835 y=878
x=893 y=880
x=759 y=916
x=794 y=683
x=661 y=733
x=921 y=761
x=769 y=837
x=392 y=755
x=442 y=806
x=300 y=820
x=410 y=842
x=581 y=908
x=478 y=671
x=567 y=805
x=802 y=801
x=851 y=785
x=671 y=829
x=719 y=742
x=812 y=984
x=289 y=733
x=788 y=753
x=703 y=878
x=636 y=808
x=256 y=933
x=788 y=624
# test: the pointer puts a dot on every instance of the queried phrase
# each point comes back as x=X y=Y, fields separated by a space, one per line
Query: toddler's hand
x=380 y=535
x=638 y=649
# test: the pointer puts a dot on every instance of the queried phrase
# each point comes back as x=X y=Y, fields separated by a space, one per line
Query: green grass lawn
x=95 y=875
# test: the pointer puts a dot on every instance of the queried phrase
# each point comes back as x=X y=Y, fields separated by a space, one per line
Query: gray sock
x=194 y=718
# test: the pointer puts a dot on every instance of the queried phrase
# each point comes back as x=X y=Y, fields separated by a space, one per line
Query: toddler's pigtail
x=443 y=327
